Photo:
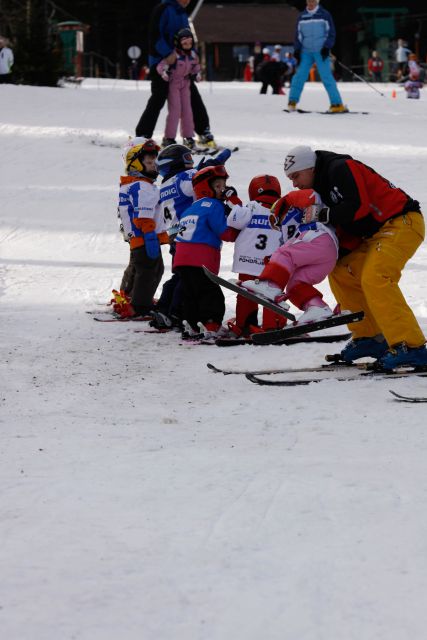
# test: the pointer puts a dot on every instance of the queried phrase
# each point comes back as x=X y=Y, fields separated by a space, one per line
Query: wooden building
x=228 y=34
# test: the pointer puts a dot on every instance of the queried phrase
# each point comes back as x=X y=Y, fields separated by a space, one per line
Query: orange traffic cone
x=393 y=93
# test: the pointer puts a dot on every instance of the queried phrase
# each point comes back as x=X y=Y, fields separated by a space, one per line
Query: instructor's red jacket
x=359 y=198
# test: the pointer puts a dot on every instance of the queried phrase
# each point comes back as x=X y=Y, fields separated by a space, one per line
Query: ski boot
x=189 y=142
x=314 y=314
x=167 y=141
x=403 y=356
x=363 y=348
x=337 y=108
x=264 y=288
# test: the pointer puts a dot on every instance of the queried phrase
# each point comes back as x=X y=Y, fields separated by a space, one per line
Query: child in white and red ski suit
x=255 y=241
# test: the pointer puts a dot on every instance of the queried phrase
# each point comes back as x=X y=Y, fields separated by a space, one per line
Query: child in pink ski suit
x=179 y=76
x=413 y=84
x=308 y=255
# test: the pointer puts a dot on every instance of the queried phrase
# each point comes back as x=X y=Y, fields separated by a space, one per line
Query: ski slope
x=144 y=497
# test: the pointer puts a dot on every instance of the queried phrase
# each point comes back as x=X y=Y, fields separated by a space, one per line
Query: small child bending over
x=307 y=256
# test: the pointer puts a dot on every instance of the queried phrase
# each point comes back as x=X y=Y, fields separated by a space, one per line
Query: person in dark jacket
x=271 y=72
x=166 y=20
x=379 y=228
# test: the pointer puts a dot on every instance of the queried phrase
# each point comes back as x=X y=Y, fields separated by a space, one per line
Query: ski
x=235 y=342
x=110 y=318
x=359 y=375
x=250 y=296
x=328 y=113
x=400 y=398
x=107 y=312
x=198 y=149
x=209 y=151
x=268 y=372
x=273 y=337
x=153 y=330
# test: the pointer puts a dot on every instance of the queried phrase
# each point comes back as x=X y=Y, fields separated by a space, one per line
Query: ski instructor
x=379 y=228
x=166 y=20
x=314 y=39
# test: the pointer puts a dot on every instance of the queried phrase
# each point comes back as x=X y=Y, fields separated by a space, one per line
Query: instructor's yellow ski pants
x=368 y=279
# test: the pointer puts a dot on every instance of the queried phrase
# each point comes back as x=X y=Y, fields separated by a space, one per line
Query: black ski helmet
x=173 y=159
x=182 y=33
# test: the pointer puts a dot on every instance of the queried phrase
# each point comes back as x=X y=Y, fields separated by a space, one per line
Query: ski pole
x=360 y=78
x=196 y=10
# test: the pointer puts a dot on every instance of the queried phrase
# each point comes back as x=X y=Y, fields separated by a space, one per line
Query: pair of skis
x=328 y=113
x=292 y=331
x=351 y=371
x=111 y=316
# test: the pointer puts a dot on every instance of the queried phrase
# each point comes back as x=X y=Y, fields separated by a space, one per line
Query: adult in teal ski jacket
x=315 y=36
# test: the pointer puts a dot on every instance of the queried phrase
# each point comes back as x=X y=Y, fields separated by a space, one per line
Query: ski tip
x=251 y=377
x=408 y=399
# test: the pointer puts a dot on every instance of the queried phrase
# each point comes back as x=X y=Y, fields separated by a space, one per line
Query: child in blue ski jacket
x=198 y=244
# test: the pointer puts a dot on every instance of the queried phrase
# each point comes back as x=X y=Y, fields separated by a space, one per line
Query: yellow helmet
x=134 y=155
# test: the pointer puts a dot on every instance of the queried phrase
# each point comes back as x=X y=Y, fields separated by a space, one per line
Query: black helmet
x=182 y=33
x=173 y=159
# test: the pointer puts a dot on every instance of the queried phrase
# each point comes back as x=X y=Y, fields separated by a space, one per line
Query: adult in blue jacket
x=315 y=36
x=166 y=20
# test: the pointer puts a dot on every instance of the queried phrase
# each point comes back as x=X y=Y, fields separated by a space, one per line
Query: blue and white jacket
x=176 y=196
x=199 y=242
x=315 y=30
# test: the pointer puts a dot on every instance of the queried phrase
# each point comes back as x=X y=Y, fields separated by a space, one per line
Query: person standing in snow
x=402 y=56
x=180 y=74
x=379 y=228
x=175 y=165
x=315 y=37
x=141 y=224
x=166 y=20
x=198 y=244
x=6 y=61
x=254 y=242
x=375 y=67
x=413 y=84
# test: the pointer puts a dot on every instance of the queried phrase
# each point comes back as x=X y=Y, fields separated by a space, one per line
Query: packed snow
x=145 y=497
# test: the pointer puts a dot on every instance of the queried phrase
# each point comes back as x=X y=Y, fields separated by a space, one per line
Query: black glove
x=324 y=52
x=297 y=56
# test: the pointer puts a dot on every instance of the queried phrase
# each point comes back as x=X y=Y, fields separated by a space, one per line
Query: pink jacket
x=180 y=72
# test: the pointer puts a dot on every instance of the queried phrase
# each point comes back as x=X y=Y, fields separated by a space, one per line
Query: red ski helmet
x=202 y=181
x=265 y=189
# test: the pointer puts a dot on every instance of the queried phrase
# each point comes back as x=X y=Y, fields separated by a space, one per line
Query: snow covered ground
x=144 y=497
